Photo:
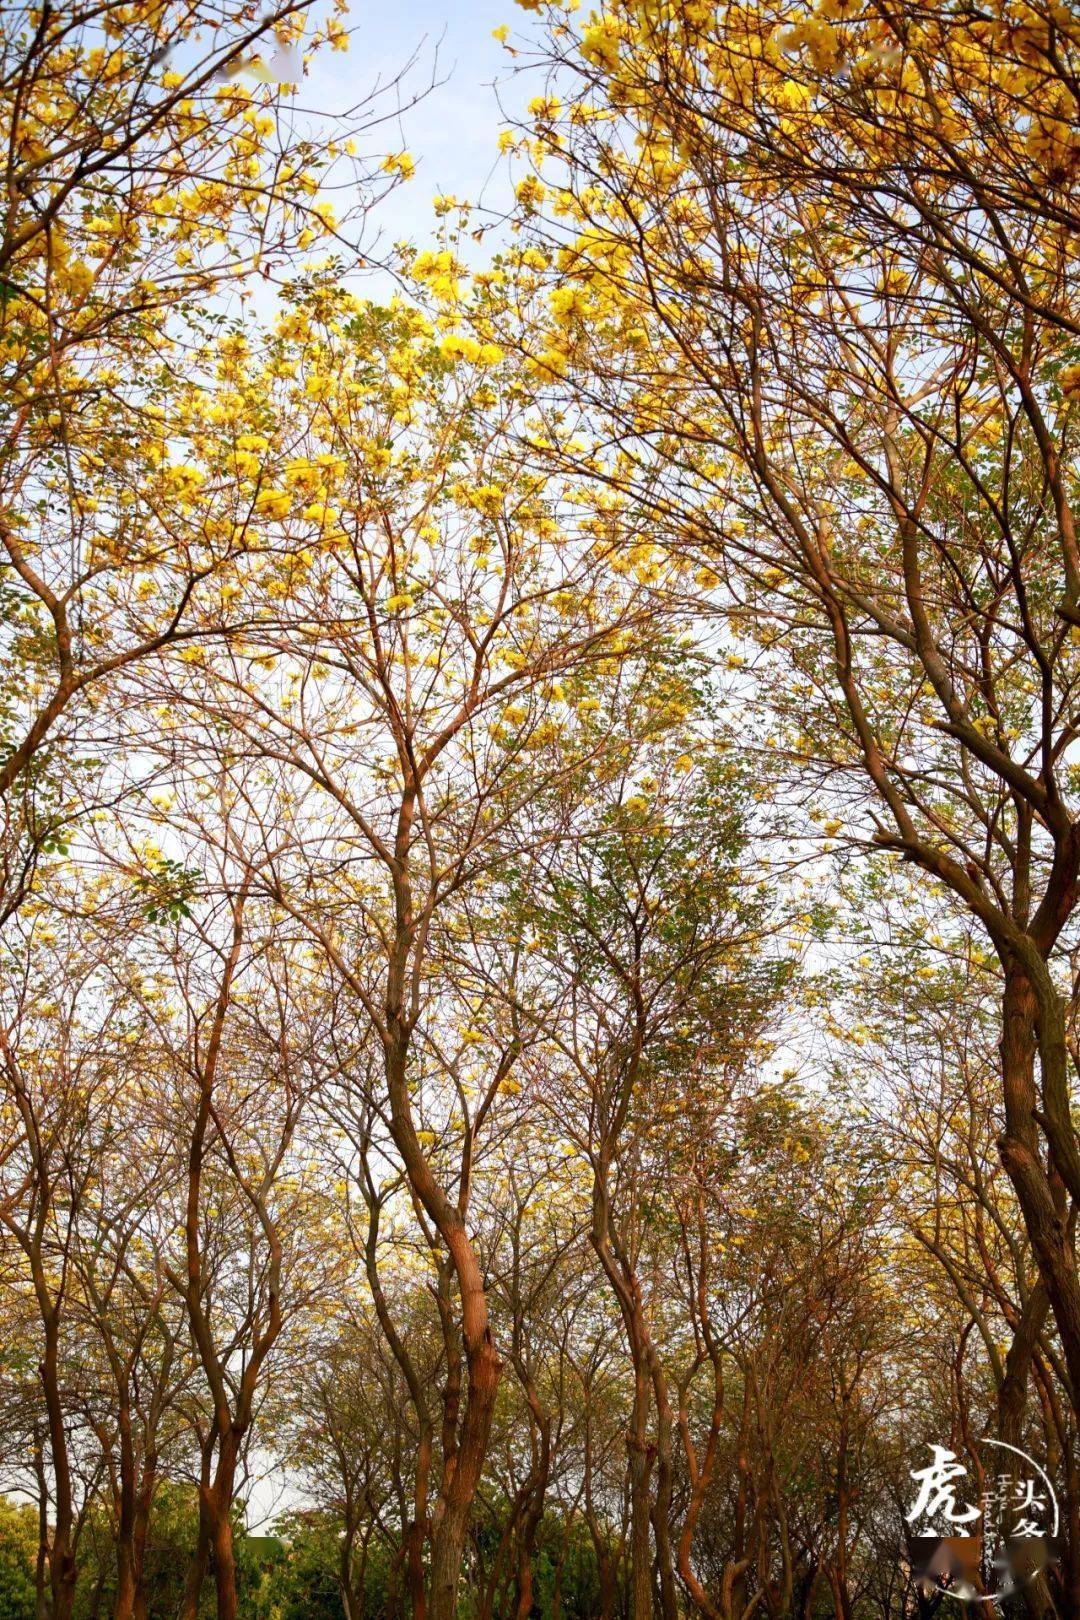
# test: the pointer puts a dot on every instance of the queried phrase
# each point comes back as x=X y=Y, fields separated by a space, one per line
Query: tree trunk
x=345 y=1575
x=448 y=1541
x=604 y=1568
x=41 y=1568
x=640 y=1460
x=196 y=1571
x=224 y=1558
x=140 y=1535
x=607 y=1580
x=62 y=1570
x=482 y=1362
x=526 y=1548
x=124 y=1603
x=841 y=1598
x=701 y=1475
x=414 y=1568
x=1040 y=1201
x=661 y=1510
x=527 y=1536
x=1012 y=1396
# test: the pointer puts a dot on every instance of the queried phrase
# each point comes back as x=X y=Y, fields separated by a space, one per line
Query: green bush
x=18 y=1557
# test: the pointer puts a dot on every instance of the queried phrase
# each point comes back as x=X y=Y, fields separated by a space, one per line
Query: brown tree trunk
x=607 y=1579
x=640 y=1453
x=604 y=1568
x=448 y=1541
x=41 y=1602
x=1042 y=1205
x=482 y=1362
x=531 y=1501
x=841 y=1597
x=640 y=1457
x=524 y=1585
x=416 y=1529
x=196 y=1571
x=839 y=1576
x=527 y=1535
x=556 y=1590
x=140 y=1534
x=348 y=1603
x=665 y=1473
x=526 y=1549
x=490 y=1588
x=124 y=1603
x=735 y=1575
x=224 y=1565
x=1012 y=1395
x=217 y=1503
x=701 y=1475
x=62 y=1570
x=414 y=1568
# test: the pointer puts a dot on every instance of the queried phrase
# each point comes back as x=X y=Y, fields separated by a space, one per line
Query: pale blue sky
x=452 y=133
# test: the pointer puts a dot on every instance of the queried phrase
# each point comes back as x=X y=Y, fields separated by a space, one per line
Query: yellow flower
x=487 y=498
x=402 y=163
x=456 y=347
x=275 y=503
x=552 y=363
x=600 y=46
x=184 y=478
x=299 y=473
x=531 y=191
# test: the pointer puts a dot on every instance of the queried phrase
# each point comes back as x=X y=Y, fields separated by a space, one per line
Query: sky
x=452 y=132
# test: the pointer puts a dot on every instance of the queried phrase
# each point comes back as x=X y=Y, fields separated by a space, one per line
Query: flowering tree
x=816 y=268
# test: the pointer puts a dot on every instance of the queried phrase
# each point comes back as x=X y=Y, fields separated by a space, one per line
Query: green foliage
x=170 y=888
x=18 y=1552
x=304 y=1583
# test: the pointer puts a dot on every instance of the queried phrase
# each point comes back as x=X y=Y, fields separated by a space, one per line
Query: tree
x=839 y=359
x=653 y=989
x=429 y=594
x=145 y=177
x=60 y=1075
